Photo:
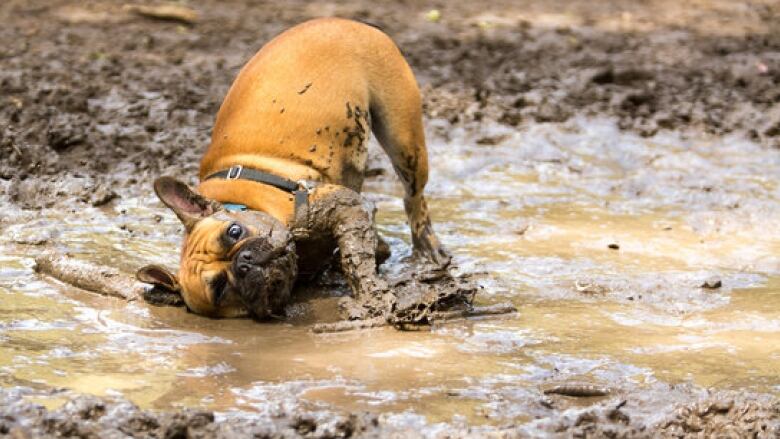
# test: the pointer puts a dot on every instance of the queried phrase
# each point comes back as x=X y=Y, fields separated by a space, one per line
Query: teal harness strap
x=233 y=207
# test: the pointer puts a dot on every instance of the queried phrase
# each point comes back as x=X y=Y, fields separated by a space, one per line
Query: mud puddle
x=602 y=239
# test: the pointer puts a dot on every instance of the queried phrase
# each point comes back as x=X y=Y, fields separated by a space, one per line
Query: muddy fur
x=266 y=289
x=343 y=216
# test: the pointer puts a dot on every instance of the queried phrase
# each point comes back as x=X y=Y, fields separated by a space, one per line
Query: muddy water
x=602 y=240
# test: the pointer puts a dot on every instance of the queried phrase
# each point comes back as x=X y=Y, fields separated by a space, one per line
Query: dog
x=280 y=181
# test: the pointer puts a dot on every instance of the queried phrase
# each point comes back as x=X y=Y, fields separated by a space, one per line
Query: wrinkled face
x=232 y=263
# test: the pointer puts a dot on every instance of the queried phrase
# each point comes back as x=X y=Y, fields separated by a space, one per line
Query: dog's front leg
x=349 y=221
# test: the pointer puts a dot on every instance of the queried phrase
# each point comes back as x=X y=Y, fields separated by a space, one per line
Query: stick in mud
x=581 y=390
x=348 y=325
x=442 y=316
x=88 y=276
x=477 y=311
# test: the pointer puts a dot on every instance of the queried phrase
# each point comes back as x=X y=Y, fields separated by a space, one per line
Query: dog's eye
x=235 y=231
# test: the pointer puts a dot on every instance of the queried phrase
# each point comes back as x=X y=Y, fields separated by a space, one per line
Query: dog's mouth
x=263 y=275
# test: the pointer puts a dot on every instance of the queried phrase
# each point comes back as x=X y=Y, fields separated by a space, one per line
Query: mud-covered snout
x=263 y=271
x=251 y=257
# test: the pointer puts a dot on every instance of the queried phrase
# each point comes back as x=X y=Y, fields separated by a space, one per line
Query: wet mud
x=608 y=169
x=88 y=416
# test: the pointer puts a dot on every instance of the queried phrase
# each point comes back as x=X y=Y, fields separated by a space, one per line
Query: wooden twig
x=348 y=325
x=99 y=279
x=476 y=311
x=440 y=316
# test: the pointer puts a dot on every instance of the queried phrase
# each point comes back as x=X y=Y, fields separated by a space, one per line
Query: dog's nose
x=245 y=260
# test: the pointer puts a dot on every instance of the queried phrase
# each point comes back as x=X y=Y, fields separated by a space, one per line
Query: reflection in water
x=536 y=214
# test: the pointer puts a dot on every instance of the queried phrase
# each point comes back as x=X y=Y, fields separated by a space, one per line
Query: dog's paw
x=437 y=256
x=350 y=309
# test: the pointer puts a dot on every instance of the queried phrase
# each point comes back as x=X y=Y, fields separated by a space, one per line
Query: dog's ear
x=187 y=204
x=165 y=289
x=158 y=276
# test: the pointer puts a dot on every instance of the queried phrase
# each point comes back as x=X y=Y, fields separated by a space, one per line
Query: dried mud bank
x=719 y=414
x=84 y=115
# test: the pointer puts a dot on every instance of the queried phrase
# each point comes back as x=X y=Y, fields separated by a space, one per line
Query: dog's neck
x=255 y=196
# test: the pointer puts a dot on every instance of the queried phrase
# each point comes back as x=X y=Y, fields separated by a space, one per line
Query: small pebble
x=712 y=283
x=589 y=287
x=614 y=246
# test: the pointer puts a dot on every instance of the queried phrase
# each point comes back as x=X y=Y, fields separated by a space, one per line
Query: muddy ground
x=95 y=93
x=718 y=414
x=96 y=101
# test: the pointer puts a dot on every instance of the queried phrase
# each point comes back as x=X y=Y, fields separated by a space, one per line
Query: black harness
x=299 y=189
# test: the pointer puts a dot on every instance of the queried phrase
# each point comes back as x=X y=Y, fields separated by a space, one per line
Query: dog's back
x=302 y=108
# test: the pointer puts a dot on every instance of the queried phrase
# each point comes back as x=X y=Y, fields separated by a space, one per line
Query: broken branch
x=348 y=325
x=96 y=278
x=437 y=317
x=477 y=311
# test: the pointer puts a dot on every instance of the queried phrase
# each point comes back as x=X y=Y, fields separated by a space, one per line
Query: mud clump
x=416 y=298
x=724 y=416
x=712 y=283
x=421 y=294
x=91 y=416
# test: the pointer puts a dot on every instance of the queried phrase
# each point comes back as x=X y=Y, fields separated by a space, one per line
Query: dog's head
x=232 y=263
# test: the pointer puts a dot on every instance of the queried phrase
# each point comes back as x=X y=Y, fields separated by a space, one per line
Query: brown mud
x=594 y=164
x=109 y=112
x=720 y=414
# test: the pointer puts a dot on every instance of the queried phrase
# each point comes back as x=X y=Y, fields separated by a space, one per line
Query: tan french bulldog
x=280 y=181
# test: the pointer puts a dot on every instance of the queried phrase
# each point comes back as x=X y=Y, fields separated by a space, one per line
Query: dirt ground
x=95 y=101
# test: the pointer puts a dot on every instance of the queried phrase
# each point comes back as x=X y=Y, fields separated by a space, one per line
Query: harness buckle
x=234 y=172
x=304 y=186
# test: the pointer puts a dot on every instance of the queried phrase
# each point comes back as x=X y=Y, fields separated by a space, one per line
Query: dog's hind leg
x=396 y=118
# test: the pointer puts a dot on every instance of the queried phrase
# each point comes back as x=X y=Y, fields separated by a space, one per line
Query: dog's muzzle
x=264 y=271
